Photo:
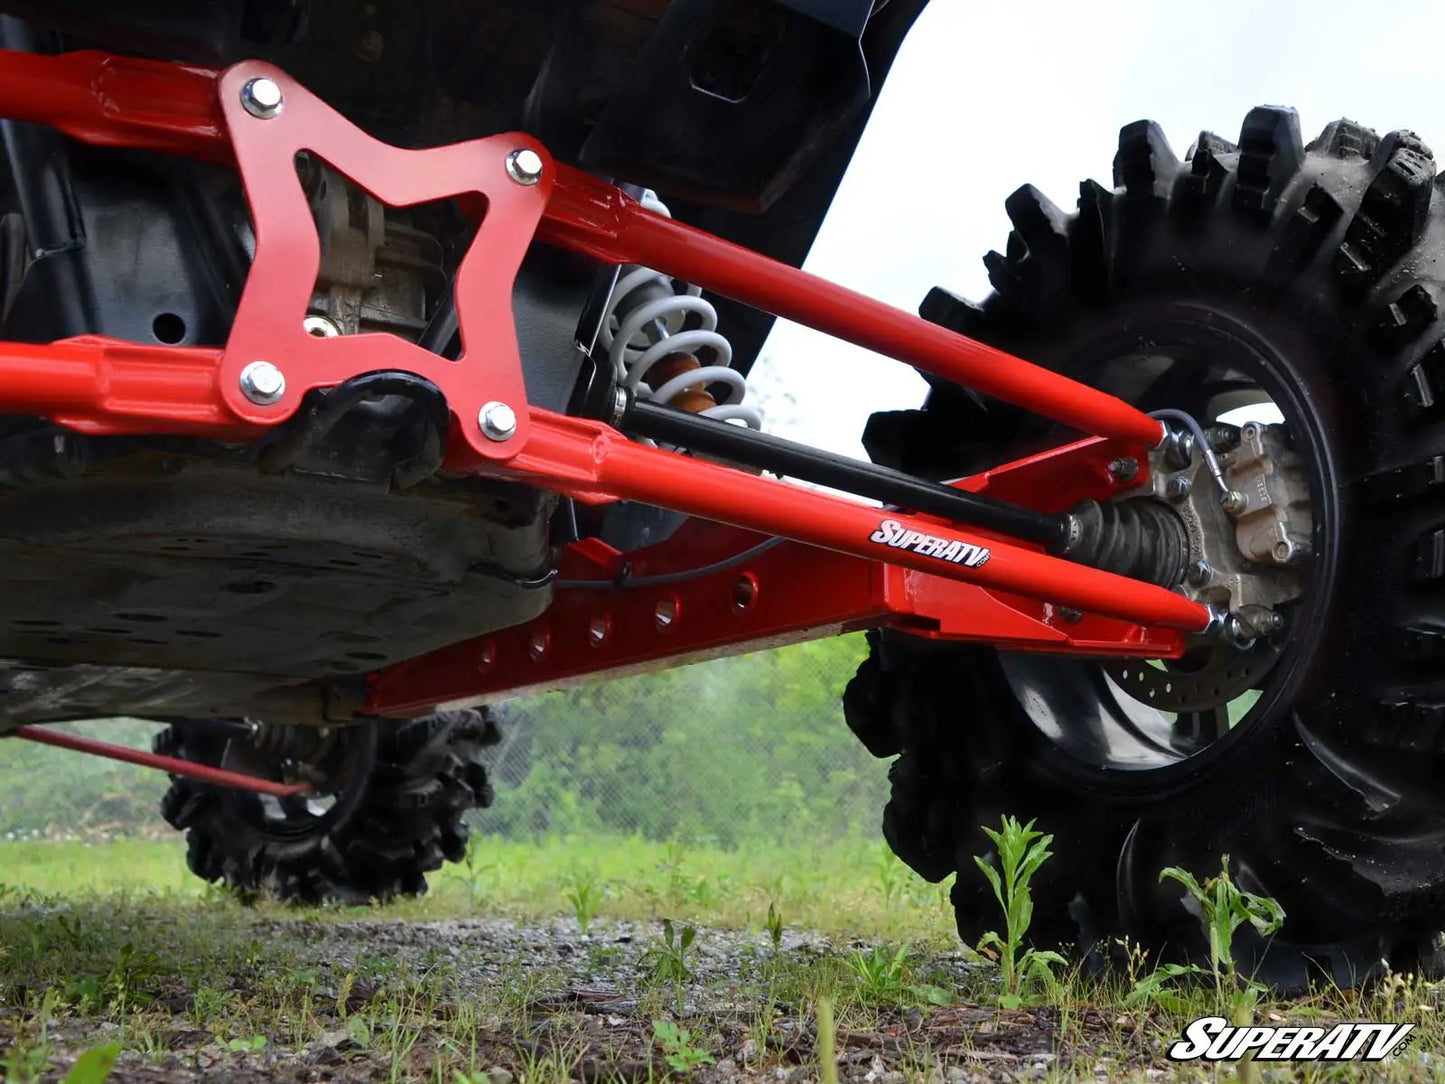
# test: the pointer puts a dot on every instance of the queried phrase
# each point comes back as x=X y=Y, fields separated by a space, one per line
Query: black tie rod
x=763 y=451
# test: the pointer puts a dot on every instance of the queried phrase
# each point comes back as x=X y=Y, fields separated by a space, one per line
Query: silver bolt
x=524 y=166
x=1287 y=552
x=1239 y=632
x=1267 y=622
x=320 y=326
x=262 y=383
x=1200 y=573
x=498 y=420
x=1123 y=470
x=1222 y=437
x=1234 y=502
x=1177 y=488
x=262 y=98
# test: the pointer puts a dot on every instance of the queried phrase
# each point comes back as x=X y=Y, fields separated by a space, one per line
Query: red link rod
x=219 y=776
x=117 y=101
x=588 y=215
x=123 y=101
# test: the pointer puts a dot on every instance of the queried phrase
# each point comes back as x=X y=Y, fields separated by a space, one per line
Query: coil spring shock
x=655 y=355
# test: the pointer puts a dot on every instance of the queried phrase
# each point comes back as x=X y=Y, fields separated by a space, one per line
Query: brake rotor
x=1201 y=680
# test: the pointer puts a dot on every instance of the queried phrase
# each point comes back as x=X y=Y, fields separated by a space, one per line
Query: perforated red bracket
x=268 y=324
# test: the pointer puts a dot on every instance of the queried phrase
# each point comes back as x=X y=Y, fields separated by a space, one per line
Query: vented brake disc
x=1202 y=679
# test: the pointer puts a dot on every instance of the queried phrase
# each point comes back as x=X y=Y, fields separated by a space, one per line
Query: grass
x=831 y=963
x=845 y=889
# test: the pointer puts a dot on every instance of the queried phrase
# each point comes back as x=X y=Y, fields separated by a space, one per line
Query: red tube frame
x=100 y=385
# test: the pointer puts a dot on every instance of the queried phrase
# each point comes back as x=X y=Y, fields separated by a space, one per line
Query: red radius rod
x=218 y=776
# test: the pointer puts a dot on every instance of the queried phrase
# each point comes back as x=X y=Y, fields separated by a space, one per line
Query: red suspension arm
x=105 y=386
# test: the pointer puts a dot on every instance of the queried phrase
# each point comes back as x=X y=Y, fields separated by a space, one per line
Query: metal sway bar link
x=785 y=457
x=218 y=776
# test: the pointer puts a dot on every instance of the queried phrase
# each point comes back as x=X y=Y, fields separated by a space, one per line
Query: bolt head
x=1123 y=470
x=524 y=166
x=262 y=383
x=498 y=420
x=261 y=97
x=1177 y=488
x=1233 y=502
x=1200 y=573
x=320 y=326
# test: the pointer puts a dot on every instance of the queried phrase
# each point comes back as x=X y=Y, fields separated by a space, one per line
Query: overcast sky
x=987 y=95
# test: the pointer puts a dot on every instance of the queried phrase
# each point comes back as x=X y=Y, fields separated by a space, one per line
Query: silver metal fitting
x=1267 y=622
x=1124 y=470
x=262 y=383
x=524 y=166
x=1179 y=448
x=1234 y=502
x=1287 y=552
x=1238 y=632
x=498 y=420
x=262 y=98
x=320 y=326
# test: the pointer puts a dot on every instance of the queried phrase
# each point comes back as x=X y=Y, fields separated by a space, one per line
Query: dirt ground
x=463 y=1001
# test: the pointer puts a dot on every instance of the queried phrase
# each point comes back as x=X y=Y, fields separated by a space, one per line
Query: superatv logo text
x=892 y=533
x=1214 y=1038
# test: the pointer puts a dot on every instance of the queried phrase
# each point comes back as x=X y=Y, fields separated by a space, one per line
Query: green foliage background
x=723 y=752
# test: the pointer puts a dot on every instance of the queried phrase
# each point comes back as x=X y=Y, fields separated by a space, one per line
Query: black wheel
x=387 y=808
x=1265 y=277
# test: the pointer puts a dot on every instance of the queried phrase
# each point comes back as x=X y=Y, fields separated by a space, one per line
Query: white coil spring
x=653 y=329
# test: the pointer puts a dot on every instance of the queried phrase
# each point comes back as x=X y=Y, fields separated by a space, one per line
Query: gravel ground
x=534 y=1001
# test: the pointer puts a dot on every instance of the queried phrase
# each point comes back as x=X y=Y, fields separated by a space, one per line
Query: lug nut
x=1233 y=503
x=524 y=166
x=262 y=98
x=1177 y=488
x=262 y=383
x=1200 y=573
x=1124 y=470
x=498 y=420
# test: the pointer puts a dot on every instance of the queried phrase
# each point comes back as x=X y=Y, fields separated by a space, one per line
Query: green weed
x=1021 y=851
x=884 y=977
x=775 y=925
x=94 y=1066
x=667 y=961
x=678 y=1049
x=586 y=900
